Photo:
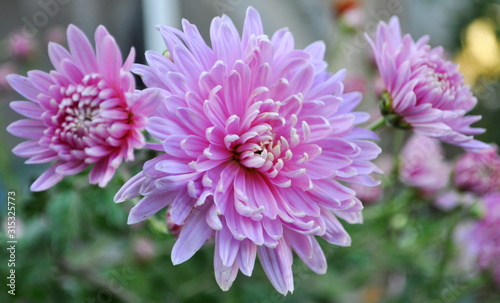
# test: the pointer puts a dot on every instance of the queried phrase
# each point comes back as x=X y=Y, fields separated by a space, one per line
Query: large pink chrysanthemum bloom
x=257 y=138
x=84 y=112
x=422 y=164
x=478 y=172
x=423 y=91
x=483 y=237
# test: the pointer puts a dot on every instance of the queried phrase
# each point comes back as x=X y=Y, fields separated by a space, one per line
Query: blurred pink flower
x=423 y=91
x=478 y=172
x=422 y=164
x=484 y=237
x=84 y=112
x=20 y=46
x=144 y=249
x=354 y=18
x=257 y=138
x=451 y=199
x=355 y=83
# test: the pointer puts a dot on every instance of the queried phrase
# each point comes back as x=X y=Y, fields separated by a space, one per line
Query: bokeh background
x=74 y=244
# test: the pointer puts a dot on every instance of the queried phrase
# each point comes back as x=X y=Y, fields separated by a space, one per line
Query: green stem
x=448 y=247
x=398 y=139
x=377 y=124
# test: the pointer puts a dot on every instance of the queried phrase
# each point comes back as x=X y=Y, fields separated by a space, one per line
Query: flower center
x=261 y=148
x=252 y=149
x=78 y=120
x=439 y=80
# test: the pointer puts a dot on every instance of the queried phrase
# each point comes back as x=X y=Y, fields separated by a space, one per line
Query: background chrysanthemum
x=478 y=173
x=423 y=91
x=256 y=140
x=422 y=164
x=84 y=112
x=483 y=237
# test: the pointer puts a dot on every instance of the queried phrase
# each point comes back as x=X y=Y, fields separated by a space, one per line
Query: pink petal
x=224 y=275
x=228 y=246
x=24 y=86
x=57 y=54
x=28 y=109
x=109 y=58
x=130 y=189
x=81 y=50
x=194 y=234
x=246 y=256
x=46 y=180
x=277 y=263
x=149 y=206
x=26 y=128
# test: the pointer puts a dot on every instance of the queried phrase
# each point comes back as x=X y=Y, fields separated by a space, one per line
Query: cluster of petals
x=84 y=112
x=424 y=91
x=422 y=164
x=479 y=172
x=256 y=139
x=483 y=237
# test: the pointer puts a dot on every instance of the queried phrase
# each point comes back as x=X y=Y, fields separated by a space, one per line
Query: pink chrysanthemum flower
x=423 y=91
x=483 y=237
x=422 y=164
x=257 y=139
x=478 y=172
x=84 y=112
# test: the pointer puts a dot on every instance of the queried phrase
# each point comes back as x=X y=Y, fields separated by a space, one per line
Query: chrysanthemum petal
x=246 y=256
x=193 y=235
x=27 y=128
x=277 y=263
x=46 y=180
x=224 y=275
x=23 y=86
x=148 y=206
x=28 y=109
x=81 y=49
